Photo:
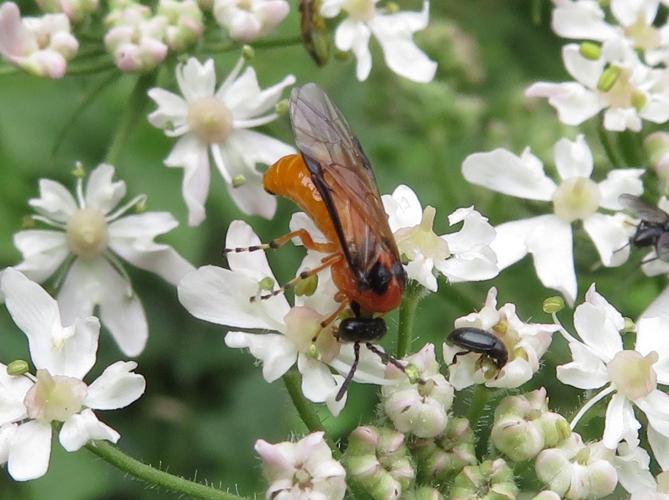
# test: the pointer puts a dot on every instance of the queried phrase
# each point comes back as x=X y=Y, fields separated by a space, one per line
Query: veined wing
x=643 y=210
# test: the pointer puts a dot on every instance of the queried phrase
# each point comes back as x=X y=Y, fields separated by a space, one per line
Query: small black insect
x=480 y=341
x=653 y=228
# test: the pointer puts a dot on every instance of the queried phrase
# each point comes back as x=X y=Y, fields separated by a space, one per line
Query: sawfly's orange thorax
x=289 y=177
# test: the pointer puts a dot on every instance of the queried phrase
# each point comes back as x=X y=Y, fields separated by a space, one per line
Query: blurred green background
x=205 y=404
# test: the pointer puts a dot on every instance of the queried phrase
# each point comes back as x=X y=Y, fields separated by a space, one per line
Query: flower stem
x=111 y=454
x=631 y=147
x=412 y=296
x=133 y=109
x=609 y=148
x=306 y=410
x=479 y=419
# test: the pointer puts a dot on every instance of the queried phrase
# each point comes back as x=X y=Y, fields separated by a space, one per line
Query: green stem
x=261 y=44
x=111 y=454
x=480 y=396
x=134 y=108
x=8 y=70
x=412 y=296
x=631 y=147
x=614 y=157
x=306 y=410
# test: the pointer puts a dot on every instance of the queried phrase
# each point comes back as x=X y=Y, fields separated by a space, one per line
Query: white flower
x=420 y=409
x=462 y=256
x=658 y=491
x=217 y=121
x=631 y=376
x=394 y=32
x=525 y=343
x=302 y=470
x=89 y=237
x=576 y=470
x=632 y=464
x=617 y=81
x=62 y=355
x=586 y=20
x=39 y=45
x=222 y=296
x=135 y=37
x=549 y=237
x=248 y=20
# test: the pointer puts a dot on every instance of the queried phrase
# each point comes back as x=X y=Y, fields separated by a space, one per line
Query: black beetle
x=480 y=341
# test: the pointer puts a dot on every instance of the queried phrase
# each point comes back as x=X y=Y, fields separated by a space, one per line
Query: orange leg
x=302 y=234
x=326 y=262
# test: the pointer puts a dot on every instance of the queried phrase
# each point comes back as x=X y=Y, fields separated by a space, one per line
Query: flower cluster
x=62 y=353
x=608 y=72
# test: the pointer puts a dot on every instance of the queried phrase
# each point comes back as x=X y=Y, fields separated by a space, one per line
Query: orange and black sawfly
x=332 y=180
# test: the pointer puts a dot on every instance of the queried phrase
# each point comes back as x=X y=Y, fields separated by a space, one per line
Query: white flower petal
x=394 y=33
x=371 y=370
x=132 y=237
x=573 y=158
x=612 y=314
x=300 y=220
x=581 y=20
x=617 y=182
x=550 y=244
x=620 y=421
x=252 y=264
x=334 y=406
x=196 y=80
x=322 y=300
x=96 y=282
x=101 y=193
x=651 y=335
x=587 y=371
x=610 y=235
x=44 y=251
x=276 y=352
x=472 y=267
x=55 y=201
x=117 y=387
x=12 y=393
x=318 y=382
x=172 y=110
x=655 y=405
x=597 y=331
x=191 y=154
x=81 y=428
x=573 y=102
x=245 y=104
x=354 y=35
x=465 y=371
x=6 y=434
x=476 y=231
x=403 y=208
x=584 y=71
x=514 y=374
x=29 y=451
x=502 y=171
x=628 y=12
x=420 y=270
x=621 y=119
x=510 y=240
x=660 y=446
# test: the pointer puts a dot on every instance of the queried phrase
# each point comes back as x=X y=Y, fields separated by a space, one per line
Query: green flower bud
x=523 y=426
x=491 y=480
x=440 y=458
x=248 y=52
x=553 y=304
x=79 y=171
x=281 y=107
x=17 y=368
x=590 y=50
x=266 y=283
x=238 y=181
x=377 y=459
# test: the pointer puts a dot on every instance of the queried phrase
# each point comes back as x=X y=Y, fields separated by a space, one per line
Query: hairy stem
x=412 y=296
x=114 y=456
x=133 y=110
x=306 y=410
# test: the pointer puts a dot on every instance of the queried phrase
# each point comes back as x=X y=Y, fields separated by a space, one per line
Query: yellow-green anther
x=342 y=55
x=307 y=286
x=266 y=284
x=630 y=326
x=248 y=52
x=238 y=181
x=79 y=170
x=638 y=100
x=392 y=7
x=608 y=78
x=140 y=206
x=590 y=50
x=281 y=107
x=553 y=304
x=313 y=351
x=18 y=368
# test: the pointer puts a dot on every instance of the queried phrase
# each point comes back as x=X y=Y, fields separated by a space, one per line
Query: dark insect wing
x=643 y=210
x=343 y=176
x=662 y=247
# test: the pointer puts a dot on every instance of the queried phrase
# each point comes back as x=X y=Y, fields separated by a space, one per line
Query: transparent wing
x=343 y=176
x=642 y=209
